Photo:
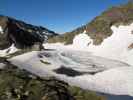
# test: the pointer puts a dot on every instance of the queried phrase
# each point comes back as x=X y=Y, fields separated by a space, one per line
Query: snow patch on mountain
x=116 y=46
x=113 y=47
x=81 y=40
x=10 y=50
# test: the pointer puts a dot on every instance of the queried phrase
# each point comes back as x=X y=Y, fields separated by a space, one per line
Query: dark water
x=117 y=97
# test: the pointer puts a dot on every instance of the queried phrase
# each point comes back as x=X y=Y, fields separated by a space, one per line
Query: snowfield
x=106 y=68
x=80 y=69
x=113 y=47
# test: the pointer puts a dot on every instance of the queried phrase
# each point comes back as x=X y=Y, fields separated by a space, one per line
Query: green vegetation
x=99 y=28
x=45 y=62
x=16 y=84
x=80 y=94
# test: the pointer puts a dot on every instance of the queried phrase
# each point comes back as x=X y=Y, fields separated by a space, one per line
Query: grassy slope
x=99 y=28
x=18 y=84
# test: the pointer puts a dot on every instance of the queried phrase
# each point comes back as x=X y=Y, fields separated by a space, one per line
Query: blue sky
x=57 y=15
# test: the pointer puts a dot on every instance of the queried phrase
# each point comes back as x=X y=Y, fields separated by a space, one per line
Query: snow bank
x=81 y=40
x=10 y=50
x=116 y=81
x=116 y=46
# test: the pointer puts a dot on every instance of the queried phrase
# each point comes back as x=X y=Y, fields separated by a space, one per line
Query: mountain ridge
x=99 y=28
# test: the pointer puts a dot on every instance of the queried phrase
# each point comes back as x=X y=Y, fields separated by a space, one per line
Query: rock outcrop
x=21 y=34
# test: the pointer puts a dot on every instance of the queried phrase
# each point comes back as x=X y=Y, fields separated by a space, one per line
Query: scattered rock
x=130 y=46
x=68 y=71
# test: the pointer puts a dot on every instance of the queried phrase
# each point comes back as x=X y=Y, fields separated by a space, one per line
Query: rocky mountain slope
x=100 y=27
x=21 y=34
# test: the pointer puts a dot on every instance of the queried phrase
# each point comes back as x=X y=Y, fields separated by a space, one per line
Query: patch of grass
x=45 y=62
x=81 y=94
x=18 y=84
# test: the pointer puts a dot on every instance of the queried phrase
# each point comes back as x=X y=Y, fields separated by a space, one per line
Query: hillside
x=21 y=34
x=100 y=27
x=19 y=84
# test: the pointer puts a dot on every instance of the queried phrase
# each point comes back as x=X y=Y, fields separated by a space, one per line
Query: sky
x=58 y=15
